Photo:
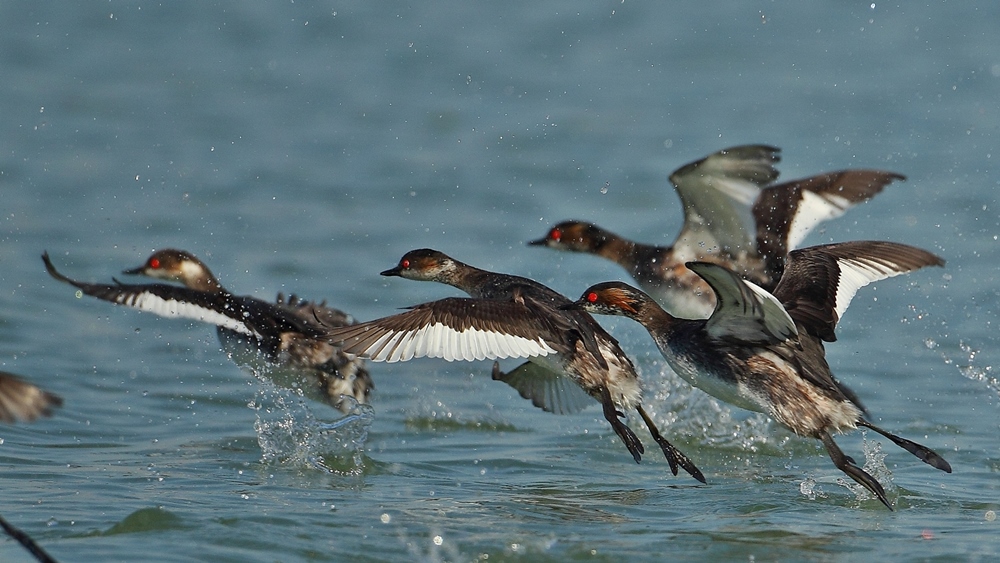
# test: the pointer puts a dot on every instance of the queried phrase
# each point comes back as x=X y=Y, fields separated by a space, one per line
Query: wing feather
x=819 y=282
x=452 y=329
x=716 y=193
x=744 y=312
x=786 y=213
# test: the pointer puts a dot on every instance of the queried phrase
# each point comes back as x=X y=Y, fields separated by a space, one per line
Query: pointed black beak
x=134 y=271
x=397 y=271
x=539 y=242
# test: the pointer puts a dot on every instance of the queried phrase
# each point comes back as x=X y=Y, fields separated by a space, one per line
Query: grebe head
x=178 y=266
x=611 y=298
x=424 y=265
x=573 y=236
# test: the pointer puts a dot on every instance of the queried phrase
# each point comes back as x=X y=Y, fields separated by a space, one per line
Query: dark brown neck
x=612 y=247
x=653 y=317
x=206 y=282
x=465 y=277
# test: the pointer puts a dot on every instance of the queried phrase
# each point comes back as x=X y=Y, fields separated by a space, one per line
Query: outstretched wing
x=454 y=328
x=819 y=282
x=787 y=212
x=549 y=390
x=716 y=193
x=744 y=313
x=244 y=315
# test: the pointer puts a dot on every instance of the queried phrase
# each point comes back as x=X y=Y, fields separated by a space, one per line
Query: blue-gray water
x=306 y=146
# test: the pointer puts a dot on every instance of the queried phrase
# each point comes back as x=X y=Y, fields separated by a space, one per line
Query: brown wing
x=22 y=401
x=820 y=281
x=786 y=213
x=455 y=328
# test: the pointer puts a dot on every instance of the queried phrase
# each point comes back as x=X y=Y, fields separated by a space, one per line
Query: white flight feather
x=450 y=343
x=441 y=341
x=172 y=308
x=407 y=348
x=812 y=210
x=494 y=342
x=378 y=347
x=855 y=274
x=388 y=351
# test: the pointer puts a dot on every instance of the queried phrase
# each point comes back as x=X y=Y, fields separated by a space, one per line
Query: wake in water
x=692 y=412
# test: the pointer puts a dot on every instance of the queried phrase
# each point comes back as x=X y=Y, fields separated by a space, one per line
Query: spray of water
x=290 y=433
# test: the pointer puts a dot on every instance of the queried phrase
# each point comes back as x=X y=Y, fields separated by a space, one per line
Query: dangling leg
x=925 y=454
x=673 y=455
x=847 y=465
x=624 y=432
x=26 y=541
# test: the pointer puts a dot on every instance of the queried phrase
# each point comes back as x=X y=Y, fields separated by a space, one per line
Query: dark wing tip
x=51 y=269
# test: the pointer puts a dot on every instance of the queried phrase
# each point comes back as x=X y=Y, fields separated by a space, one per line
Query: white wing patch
x=812 y=210
x=441 y=341
x=146 y=301
x=742 y=191
x=856 y=273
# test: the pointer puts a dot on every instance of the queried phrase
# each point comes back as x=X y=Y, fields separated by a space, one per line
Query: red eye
x=592 y=297
x=154 y=263
x=555 y=235
x=405 y=264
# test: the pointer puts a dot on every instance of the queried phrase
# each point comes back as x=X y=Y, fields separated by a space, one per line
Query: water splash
x=690 y=411
x=874 y=466
x=289 y=433
x=967 y=365
x=811 y=489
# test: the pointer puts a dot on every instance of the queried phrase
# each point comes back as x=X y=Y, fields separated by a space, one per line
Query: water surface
x=306 y=146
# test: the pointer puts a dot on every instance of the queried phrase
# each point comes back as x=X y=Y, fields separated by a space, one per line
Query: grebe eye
x=405 y=264
x=154 y=263
x=555 y=235
x=592 y=297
